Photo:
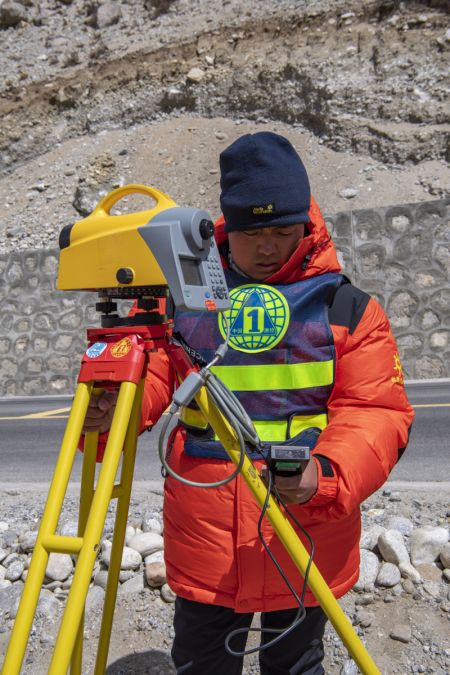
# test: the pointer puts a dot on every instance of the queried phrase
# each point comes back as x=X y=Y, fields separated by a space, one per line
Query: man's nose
x=267 y=244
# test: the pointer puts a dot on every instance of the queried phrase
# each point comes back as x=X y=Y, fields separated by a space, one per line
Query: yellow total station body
x=97 y=250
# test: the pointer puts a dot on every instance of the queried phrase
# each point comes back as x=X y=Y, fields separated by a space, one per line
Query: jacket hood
x=315 y=253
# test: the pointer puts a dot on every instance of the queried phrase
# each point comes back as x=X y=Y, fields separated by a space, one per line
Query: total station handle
x=105 y=205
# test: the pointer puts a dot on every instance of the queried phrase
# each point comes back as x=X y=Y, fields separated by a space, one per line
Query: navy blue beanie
x=263 y=183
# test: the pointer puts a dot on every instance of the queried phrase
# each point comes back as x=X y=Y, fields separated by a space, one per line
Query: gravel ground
x=405 y=628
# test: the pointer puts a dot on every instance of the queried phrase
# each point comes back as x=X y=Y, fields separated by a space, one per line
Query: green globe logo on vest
x=258 y=318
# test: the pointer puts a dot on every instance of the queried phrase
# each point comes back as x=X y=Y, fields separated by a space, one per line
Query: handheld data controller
x=288 y=460
x=144 y=254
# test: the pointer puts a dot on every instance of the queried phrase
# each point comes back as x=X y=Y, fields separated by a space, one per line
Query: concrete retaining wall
x=400 y=254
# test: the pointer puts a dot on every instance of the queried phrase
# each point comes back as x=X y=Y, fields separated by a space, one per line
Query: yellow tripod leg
x=123 y=492
x=86 y=495
x=289 y=538
x=30 y=595
x=88 y=551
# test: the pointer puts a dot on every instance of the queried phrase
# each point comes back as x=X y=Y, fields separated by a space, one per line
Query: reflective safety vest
x=280 y=362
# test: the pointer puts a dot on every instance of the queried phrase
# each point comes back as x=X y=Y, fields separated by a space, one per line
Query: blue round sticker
x=96 y=349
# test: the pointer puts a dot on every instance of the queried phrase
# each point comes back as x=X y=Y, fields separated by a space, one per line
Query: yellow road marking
x=431 y=405
x=54 y=414
x=36 y=417
x=47 y=413
x=44 y=414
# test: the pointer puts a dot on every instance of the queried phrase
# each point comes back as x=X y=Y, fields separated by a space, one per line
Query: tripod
x=118 y=358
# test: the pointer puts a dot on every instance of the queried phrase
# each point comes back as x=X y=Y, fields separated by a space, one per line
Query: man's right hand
x=100 y=412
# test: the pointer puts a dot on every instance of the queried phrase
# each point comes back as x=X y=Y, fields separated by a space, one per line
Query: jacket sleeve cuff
x=327 y=482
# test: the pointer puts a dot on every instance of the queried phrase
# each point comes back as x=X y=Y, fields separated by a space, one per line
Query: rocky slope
x=151 y=91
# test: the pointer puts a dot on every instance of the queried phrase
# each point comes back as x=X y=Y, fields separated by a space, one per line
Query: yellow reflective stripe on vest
x=276 y=376
x=268 y=430
x=276 y=431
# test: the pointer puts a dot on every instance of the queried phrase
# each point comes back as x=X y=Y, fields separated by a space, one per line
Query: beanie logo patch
x=258 y=318
x=265 y=210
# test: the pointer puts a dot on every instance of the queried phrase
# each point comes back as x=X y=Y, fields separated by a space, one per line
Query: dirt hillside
x=94 y=95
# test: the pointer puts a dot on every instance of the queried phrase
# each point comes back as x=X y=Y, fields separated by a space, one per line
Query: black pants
x=200 y=632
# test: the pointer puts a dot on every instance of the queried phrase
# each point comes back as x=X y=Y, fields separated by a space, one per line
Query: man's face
x=261 y=252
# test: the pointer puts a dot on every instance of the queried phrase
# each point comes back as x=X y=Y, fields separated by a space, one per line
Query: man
x=307 y=351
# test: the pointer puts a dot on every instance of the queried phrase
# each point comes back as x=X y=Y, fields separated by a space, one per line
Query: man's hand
x=100 y=412
x=296 y=489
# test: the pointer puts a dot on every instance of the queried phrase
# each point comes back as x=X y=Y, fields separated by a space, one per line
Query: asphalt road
x=31 y=430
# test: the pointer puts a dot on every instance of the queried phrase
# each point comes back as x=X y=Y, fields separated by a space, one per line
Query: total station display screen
x=191 y=272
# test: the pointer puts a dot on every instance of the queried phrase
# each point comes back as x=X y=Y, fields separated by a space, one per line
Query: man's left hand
x=296 y=489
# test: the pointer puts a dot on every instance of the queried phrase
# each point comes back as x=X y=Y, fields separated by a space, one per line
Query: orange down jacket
x=212 y=550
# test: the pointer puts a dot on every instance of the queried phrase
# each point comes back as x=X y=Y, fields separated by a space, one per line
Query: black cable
x=300 y=616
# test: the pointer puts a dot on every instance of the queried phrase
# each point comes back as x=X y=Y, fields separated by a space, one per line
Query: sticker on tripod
x=121 y=348
x=96 y=349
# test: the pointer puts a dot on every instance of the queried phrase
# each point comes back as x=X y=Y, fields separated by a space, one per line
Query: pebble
x=101 y=578
x=152 y=522
x=433 y=588
x=348 y=193
x=131 y=559
x=14 y=567
x=409 y=572
x=444 y=555
x=167 y=594
x=392 y=547
x=427 y=543
x=59 y=566
x=349 y=668
x=388 y=575
x=408 y=586
x=94 y=598
x=401 y=632
x=134 y=585
x=147 y=543
x=402 y=524
x=366 y=599
x=108 y=14
x=429 y=572
x=129 y=534
x=27 y=541
x=126 y=575
x=369 y=537
x=368 y=571
x=195 y=75
x=158 y=556
x=155 y=573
